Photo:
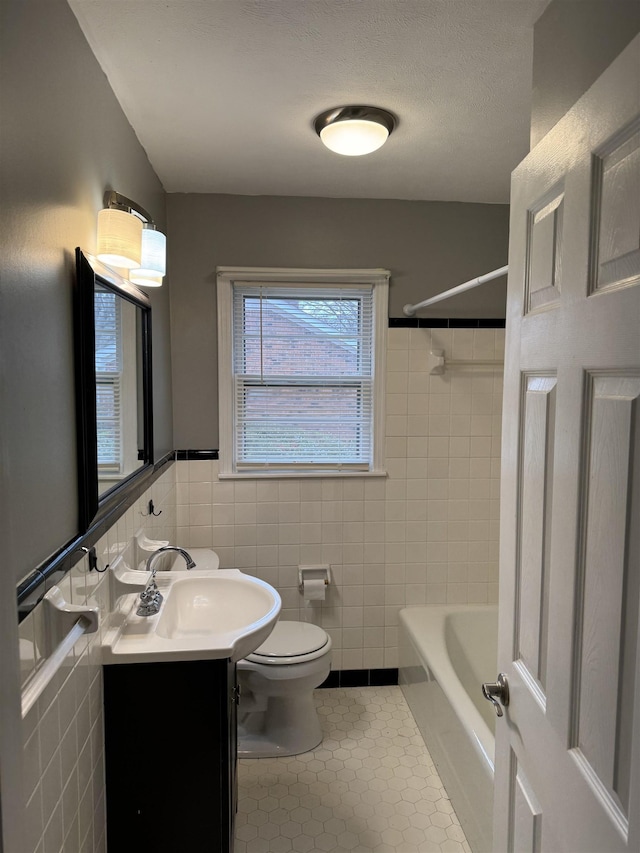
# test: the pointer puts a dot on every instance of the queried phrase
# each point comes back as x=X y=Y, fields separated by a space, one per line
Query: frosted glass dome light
x=355 y=137
x=354 y=131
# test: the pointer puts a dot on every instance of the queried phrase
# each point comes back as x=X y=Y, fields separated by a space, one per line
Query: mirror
x=113 y=387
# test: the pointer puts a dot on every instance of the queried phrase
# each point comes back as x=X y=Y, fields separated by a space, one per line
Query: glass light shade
x=144 y=278
x=354 y=137
x=154 y=251
x=119 y=238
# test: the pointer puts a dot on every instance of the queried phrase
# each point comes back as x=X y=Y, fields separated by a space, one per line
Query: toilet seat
x=291 y=643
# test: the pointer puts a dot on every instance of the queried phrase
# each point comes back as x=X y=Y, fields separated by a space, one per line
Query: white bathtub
x=446 y=652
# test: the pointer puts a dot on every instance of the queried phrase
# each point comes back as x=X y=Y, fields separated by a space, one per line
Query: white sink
x=204 y=615
x=198 y=607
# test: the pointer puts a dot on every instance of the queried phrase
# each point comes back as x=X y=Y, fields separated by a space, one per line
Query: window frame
x=227 y=277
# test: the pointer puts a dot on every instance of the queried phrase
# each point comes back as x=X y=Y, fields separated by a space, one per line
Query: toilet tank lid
x=289 y=639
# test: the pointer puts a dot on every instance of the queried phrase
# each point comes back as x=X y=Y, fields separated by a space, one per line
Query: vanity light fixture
x=144 y=279
x=152 y=264
x=128 y=238
x=119 y=239
x=354 y=130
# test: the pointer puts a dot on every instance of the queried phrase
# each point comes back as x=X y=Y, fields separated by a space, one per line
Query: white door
x=568 y=745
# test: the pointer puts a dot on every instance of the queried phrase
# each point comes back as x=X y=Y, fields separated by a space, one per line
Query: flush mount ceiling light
x=354 y=130
x=128 y=238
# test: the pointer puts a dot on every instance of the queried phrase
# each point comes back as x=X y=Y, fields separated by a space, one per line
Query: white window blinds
x=108 y=329
x=303 y=376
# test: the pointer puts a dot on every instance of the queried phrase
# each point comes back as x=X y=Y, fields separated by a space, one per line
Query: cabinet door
x=170 y=756
x=232 y=737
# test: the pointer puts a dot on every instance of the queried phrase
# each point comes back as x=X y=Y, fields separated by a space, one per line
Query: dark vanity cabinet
x=171 y=749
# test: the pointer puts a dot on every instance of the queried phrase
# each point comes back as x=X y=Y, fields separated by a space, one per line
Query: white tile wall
x=428 y=533
x=63 y=733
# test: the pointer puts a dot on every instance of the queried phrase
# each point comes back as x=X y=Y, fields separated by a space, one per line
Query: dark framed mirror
x=114 y=410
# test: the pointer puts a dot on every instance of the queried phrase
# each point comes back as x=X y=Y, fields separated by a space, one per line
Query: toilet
x=277 y=714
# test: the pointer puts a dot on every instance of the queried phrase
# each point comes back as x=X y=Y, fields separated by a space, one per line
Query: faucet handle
x=150 y=601
x=151 y=594
x=152 y=586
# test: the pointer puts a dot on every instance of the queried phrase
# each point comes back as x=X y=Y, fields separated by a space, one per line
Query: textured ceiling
x=222 y=93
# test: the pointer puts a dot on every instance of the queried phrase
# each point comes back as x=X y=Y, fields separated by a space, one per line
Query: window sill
x=298 y=475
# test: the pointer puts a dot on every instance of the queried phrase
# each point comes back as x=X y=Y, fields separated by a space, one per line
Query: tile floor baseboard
x=369 y=786
x=361 y=678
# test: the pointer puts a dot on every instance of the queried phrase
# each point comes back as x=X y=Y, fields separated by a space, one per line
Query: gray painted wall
x=64 y=141
x=574 y=41
x=428 y=246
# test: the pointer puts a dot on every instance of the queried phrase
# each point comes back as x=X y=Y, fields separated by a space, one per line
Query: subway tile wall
x=428 y=533
x=63 y=732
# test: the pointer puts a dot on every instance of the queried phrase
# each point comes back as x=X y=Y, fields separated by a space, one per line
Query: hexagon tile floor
x=369 y=786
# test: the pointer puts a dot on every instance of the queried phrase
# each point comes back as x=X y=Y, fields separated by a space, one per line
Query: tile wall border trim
x=361 y=678
x=195 y=455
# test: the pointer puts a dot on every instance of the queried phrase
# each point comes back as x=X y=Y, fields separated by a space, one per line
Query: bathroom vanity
x=170 y=700
x=170 y=732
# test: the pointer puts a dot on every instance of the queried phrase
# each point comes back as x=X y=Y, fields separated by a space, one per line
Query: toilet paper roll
x=313 y=589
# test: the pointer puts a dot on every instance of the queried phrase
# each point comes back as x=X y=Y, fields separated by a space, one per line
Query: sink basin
x=202 y=606
x=204 y=615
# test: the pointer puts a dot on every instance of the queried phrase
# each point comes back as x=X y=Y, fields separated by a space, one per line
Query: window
x=301 y=364
x=108 y=320
x=116 y=381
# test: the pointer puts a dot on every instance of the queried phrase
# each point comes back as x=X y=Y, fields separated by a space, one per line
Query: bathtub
x=446 y=652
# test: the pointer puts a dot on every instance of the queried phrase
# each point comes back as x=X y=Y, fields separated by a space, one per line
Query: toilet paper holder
x=306 y=573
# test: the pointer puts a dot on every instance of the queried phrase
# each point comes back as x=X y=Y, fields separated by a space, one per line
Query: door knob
x=497 y=692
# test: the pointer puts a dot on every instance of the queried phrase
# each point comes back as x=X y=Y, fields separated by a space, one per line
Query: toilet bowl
x=277 y=713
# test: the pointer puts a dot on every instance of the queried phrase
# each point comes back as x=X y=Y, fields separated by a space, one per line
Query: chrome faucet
x=184 y=554
x=151 y=597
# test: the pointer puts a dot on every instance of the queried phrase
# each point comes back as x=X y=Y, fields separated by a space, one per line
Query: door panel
x=544 y=250
x=538 y=428
x=526 y=828
x=617 y=209
x=606 y=637
x=568 y=746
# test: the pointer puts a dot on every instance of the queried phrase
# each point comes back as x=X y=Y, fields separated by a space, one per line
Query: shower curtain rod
x=410 y=310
